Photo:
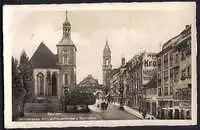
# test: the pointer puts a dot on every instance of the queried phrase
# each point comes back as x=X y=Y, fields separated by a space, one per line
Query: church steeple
x=107 y=67
x=66 y=27
x=106 y=50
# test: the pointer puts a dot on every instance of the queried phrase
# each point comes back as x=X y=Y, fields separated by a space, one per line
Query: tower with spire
x=66 y=57
x=107 y=67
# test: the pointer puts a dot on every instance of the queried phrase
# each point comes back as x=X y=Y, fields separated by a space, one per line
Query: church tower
x=66 y=58
x=107 y=67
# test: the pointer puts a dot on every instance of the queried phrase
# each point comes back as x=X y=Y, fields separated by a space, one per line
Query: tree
x=78 y=96
x=14 y=70
x=25 y=75
x=17 y=91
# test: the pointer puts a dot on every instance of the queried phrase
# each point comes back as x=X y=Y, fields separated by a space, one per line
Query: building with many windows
x=133 y=77
x=182 y=94
x=174 y=75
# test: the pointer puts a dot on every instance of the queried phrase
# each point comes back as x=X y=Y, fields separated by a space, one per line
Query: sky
x=128 y=32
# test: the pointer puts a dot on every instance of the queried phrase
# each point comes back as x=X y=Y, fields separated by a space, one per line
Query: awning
x=183 y=84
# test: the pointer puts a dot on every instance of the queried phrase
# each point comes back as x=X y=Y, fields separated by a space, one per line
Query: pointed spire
x=106 y=50
x=66 y=18
x=106 y=40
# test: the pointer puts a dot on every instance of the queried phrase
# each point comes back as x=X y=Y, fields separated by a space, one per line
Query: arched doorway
x=54 y=84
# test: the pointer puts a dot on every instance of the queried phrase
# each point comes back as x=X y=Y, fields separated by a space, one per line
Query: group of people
x=103 y=104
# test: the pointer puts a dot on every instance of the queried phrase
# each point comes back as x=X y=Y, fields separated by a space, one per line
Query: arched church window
x=54 y=84
x=40 y=84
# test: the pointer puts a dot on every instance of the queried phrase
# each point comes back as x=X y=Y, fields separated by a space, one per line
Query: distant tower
x=107 y=67
x=66 y=57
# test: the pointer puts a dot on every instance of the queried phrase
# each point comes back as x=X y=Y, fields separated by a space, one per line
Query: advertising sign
x=149 y=67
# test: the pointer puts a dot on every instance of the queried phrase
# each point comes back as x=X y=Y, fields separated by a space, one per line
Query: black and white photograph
x=100 y=65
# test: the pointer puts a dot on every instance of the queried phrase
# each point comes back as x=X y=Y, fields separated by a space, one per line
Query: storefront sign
x=149 y=67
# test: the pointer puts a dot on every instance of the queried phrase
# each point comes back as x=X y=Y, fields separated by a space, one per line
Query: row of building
x=158 y=83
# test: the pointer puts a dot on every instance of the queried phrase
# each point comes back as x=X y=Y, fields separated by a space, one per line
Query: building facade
x=114 y=84
x=132 y=77
x=173 y=61
x=182 y=95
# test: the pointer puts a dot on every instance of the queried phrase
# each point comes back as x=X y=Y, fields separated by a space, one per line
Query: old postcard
x=100 y=65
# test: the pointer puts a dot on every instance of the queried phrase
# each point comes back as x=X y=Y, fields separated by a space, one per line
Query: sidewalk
x=133 y=111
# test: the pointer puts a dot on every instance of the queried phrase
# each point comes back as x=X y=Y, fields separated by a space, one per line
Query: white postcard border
x=102 y=123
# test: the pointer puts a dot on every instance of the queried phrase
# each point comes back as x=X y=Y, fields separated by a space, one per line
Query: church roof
x=43 y=58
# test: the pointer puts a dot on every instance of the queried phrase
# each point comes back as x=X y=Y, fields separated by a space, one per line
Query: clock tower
x=107 y=67
x=66 y=58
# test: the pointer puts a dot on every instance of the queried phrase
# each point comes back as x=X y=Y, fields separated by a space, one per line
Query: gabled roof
x=43 y=58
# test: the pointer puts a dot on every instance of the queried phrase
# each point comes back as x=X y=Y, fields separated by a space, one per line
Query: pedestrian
x=144 y=113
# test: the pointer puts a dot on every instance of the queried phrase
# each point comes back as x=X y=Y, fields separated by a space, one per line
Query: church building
x=53 y=73
x=107 y=67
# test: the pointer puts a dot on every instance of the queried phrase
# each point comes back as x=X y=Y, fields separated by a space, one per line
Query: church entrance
x=54 y=84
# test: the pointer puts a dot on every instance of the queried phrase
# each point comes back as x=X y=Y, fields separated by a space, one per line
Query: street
x=112 y=113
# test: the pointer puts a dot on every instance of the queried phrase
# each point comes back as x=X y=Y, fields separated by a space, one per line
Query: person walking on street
x=144 y=113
